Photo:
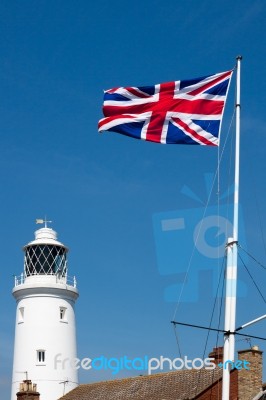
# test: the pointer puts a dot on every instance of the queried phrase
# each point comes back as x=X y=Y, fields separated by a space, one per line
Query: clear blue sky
x=103 y=192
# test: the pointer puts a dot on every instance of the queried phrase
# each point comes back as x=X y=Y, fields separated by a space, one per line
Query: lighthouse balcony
x=49 y=279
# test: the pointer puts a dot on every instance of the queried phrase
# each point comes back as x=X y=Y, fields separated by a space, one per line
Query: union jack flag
x=179 y=112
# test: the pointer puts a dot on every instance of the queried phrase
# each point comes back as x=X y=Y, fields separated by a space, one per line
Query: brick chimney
x=28 y=391
x=217 y=354
x=250 y=381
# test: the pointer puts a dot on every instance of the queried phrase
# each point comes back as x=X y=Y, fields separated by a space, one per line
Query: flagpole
x=231 y=268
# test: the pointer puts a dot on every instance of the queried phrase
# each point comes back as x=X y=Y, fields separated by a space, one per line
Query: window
x=62 y=314
x=45 y=259
x=40 y=356
x=21 y=315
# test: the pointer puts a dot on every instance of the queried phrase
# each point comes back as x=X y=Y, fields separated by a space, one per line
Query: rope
x=253 y=258
x=177 y=341
x=204 y=213
x=251 y=277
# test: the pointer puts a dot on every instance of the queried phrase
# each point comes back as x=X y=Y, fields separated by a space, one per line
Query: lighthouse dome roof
x=45 y=236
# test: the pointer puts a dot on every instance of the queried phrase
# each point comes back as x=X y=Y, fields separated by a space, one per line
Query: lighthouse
x=45 y=329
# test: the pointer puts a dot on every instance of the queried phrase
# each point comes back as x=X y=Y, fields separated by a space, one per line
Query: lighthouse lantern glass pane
x=45 y=259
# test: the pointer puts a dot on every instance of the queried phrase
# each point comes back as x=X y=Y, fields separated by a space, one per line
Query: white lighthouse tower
x=45 y=321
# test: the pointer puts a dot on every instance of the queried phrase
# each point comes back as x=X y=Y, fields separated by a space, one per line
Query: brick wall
x=244 y=384
x=215 y=391
x=250 y=381
x=217 y=354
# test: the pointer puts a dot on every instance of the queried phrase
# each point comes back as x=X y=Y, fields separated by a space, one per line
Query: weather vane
x=43 y=221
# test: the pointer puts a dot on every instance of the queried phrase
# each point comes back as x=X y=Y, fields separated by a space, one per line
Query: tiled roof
x=178 y=385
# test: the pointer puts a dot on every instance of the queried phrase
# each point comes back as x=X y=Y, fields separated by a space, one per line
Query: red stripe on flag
x=193 y=133
x=167 y=103
x=106 y=120
x=210 y=84
x=159 y=110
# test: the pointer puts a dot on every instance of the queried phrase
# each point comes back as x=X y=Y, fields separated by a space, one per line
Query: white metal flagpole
x=231 y=269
